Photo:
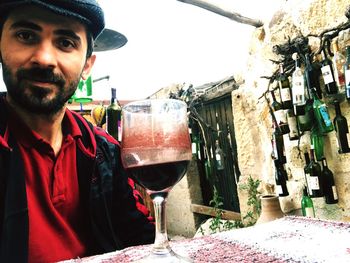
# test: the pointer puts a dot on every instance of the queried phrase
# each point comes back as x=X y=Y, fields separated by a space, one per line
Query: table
x=288 y=239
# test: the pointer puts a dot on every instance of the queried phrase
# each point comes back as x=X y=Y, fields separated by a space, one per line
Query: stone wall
x=252 y=120
x=180 y=219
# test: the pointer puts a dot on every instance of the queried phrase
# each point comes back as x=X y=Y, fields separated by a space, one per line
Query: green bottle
x=323 y=121
x=208 y=164
x=307 y=206
x=306 y=173
x=113 y=117
x=317 y=140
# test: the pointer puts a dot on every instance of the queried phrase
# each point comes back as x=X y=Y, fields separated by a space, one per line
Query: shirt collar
x=27 y=137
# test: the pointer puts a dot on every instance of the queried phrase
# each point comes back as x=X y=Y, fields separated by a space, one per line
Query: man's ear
x=88 y=66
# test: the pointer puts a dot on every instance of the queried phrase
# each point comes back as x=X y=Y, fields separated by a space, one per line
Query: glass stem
x=161 y=244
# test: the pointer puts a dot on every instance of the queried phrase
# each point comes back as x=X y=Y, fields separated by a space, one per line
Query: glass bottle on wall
x=306 y=173
x=194 y=143
x=280 y=114
x=293 y=125
x=313 y=172
x=328 y=74
x=195 y=139
x=312 y=74
x=338 y=64
x=298 y=87
x=219 y=156
x=277 y=141
x=307 y=205
x=329 y=188
x=347 y=73
x=281 y=178
x=342 y=129
x=317 y=141
x=306 y=119
x=323 y=120
x=284 y=88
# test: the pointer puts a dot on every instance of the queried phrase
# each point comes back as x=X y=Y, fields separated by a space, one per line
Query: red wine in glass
x=159 y=177
x=156 y=150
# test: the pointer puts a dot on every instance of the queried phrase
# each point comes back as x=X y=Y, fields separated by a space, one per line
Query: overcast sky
x=172 y=42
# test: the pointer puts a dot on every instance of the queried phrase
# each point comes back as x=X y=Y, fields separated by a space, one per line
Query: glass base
x=170 y=257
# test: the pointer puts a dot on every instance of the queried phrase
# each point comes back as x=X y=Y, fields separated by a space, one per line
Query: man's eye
x=26 y=36
x=67 y=43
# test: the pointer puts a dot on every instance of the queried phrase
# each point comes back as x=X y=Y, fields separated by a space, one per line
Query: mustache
x=41 y=75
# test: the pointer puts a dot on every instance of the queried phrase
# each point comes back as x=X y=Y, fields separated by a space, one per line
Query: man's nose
x=44 y=55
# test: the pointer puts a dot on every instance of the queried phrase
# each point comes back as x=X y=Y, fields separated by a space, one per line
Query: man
x=63 y=191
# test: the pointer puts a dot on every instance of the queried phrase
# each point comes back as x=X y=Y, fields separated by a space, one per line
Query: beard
x=37 y=99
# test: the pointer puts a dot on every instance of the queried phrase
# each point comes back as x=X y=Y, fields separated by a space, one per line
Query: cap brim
x=109 y=40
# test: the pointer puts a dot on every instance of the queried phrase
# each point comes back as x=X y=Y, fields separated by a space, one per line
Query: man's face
x=43 y=57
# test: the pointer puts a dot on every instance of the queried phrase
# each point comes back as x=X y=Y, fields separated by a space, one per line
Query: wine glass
x=156 y=150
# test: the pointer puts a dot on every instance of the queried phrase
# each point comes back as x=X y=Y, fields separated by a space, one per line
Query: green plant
x=216 y=202
x=217 y=224
x=253 y=200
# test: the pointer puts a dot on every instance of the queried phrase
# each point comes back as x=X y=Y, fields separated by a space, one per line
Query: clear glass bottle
x=347 y=73
x=298 y=87
x=338 y=64
x=219 y=156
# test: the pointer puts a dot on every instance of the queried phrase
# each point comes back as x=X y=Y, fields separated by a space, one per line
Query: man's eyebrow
x=68 y=33
x=26 y=24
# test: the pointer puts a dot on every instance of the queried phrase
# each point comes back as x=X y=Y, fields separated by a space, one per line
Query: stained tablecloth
x=289 y=239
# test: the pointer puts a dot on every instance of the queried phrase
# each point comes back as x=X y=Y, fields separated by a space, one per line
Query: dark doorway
x=217 y=168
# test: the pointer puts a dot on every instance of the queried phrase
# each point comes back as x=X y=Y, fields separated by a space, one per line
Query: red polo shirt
x=56 y=223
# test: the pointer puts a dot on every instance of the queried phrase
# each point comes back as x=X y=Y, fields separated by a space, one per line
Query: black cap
x=88 y=12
